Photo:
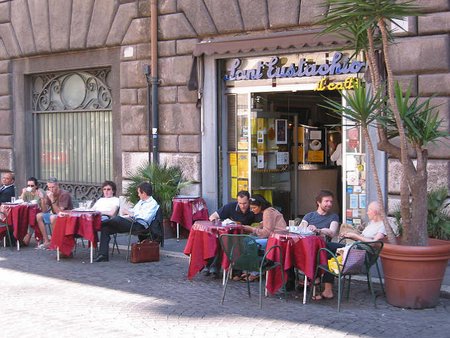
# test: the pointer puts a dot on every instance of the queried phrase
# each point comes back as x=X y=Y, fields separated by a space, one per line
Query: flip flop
x=321 y=297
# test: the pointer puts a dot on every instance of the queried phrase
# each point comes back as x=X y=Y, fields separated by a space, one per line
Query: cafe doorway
x=279 y=144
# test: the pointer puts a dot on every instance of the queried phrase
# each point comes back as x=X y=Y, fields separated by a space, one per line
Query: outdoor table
x=298 y=251
x=75 y=223
x=203 y=243
x=19 y=216
x=186 y=210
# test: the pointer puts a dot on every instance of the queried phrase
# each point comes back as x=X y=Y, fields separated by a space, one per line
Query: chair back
x=157 y=228
x=241 y=251
x=361 y=256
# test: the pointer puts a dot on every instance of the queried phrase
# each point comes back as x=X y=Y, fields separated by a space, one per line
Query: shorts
x=46 y=217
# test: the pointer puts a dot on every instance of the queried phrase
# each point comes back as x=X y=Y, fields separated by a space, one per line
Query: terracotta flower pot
x=413 y=274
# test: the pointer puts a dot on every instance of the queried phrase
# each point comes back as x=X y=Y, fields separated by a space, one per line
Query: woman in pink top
x=272 y=220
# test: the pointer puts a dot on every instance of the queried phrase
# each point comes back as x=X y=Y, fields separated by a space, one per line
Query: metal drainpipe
x=154 y=75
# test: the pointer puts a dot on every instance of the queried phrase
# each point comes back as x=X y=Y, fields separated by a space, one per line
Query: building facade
x=73 y=96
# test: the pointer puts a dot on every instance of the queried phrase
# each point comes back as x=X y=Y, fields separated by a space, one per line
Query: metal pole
x=148 y=118
x=154 y=75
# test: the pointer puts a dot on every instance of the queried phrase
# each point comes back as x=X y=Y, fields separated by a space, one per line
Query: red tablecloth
x=186 y=211
x=19 y=216
x=203 y=243
x=298 y=251
x=82 y=223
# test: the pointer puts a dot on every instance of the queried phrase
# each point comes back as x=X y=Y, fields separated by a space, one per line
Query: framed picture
x=281 y=131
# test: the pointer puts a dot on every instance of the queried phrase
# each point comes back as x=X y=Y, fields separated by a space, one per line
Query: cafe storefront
x=274 y=136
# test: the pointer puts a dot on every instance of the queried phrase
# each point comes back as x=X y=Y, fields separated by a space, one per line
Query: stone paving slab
x=73 y=298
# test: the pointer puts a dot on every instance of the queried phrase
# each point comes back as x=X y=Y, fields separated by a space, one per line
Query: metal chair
x=154 y=231
x=360 y=257
x=242 y=253
x=8 y=234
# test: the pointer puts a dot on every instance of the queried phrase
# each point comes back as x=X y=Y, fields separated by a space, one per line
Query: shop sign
x=348 y=84
x=273 y=69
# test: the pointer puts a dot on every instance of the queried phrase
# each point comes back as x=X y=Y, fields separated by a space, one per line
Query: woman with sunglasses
x=108 y=205
x=32 y=194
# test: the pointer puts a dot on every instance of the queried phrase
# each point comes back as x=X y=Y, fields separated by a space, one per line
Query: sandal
x=253 y=278
x=321 y=296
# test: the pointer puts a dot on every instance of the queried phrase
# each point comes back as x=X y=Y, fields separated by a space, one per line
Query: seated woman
x=272 y=220
x=32 y=194
x=108 y=205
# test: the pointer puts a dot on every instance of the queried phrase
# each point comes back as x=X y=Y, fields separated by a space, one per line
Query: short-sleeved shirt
x=320 y=221
x=373 y=228
x=233 y=212
x=64 y=200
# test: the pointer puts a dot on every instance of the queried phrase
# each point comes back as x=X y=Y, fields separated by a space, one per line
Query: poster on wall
x=281 y=131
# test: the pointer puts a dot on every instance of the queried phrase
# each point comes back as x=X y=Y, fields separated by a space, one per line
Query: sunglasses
x=31 y=185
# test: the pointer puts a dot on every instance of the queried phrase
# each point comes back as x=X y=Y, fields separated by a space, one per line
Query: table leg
x=304 y=289
x=18 y=245
x=57 y=253
x=178 y=232
x=92 y=252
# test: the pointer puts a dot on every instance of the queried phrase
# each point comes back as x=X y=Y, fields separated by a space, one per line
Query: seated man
x=56 y=200
x=7 y=190
x=142 y=215
x=324 y=222
x=237 y=211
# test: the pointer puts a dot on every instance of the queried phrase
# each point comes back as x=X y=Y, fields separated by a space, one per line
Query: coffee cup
x=29 y=189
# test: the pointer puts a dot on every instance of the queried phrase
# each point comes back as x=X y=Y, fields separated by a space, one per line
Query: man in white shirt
x=142 y=215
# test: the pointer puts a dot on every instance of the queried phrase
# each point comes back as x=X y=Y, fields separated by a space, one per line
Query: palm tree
x=366 y=23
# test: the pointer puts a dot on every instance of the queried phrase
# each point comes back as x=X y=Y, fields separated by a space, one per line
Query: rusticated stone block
x=6 y=118
x=131 y=161
x=175 y=26
x=283 y=13
x=143 y=143
x=310 y=12
x=198 y=16
x=60 y=19
x=433 y=5
x=5 y=12
x=130 y=142
x=6 y=141
x=231 y=22
x=186 y=96
x=81 y=15
x=190 y=143
x=120 y=24
x=129 y=96
x=168 y=143
x=439 y=150
x=6 y=159
x=166 y=48
x=434 y=84
x=186 y=46
x=167 y=94
x=442 y=104
x=190 y=163
x=179 y=119
x=438 y=175
x=133 y=120
x=175 y=70
x=22 y=28
x=436 y=23
x=408 y=81
x=167 y=6
x=144 y=8
x=40 y=25
x=132 y=74
x=5 y=81
x=5 y=103
x=254 y=15
x=138 y=32
x=421 y=55
x=5 y=66
x=194 y=189
x=142 y=96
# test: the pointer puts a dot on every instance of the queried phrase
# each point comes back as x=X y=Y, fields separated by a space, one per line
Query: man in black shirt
x=237 y=211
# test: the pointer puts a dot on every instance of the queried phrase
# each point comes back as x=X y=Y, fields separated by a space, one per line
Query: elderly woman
x=108 y=205
x=374 y=230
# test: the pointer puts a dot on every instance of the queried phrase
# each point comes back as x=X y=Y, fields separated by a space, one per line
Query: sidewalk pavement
x=72 y=298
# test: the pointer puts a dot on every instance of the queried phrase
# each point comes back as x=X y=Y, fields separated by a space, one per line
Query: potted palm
x=167 y=182
x=415 y=125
